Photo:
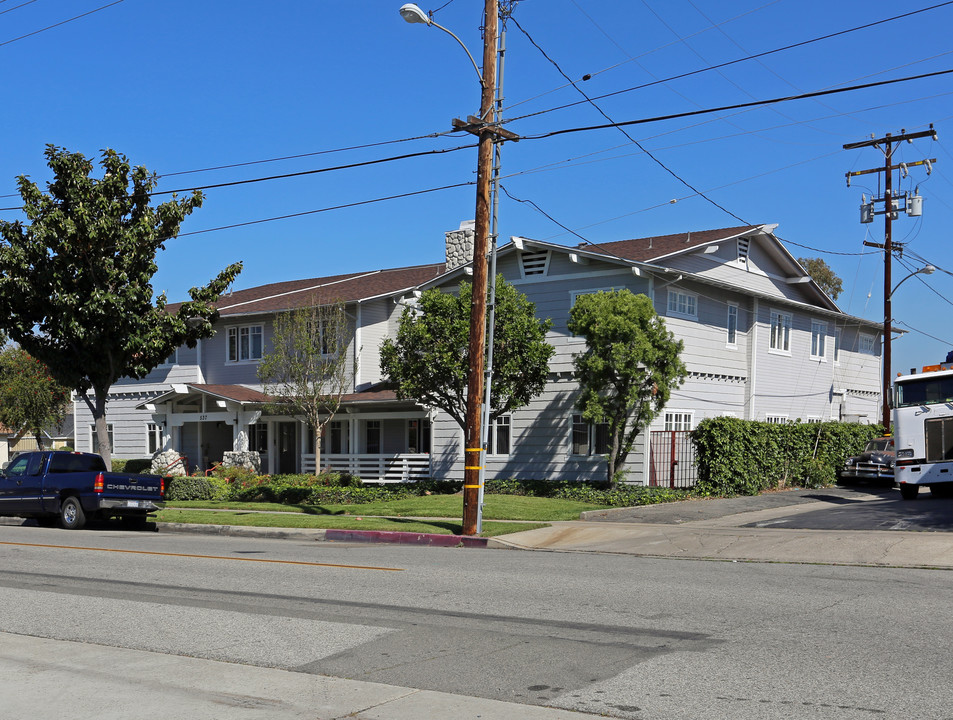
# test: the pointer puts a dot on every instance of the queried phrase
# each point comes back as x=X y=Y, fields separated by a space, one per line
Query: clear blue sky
x=182 y=85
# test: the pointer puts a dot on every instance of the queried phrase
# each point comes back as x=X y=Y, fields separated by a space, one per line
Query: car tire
x=909 y=492
x=72 y=516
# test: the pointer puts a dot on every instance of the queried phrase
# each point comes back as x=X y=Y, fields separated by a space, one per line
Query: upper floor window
x=866 y=344
x=818 y=339
x=245 y=343
x=732 y=337
x=173 y=359
x=683 y=304
x=836 y=346
x=780 y=331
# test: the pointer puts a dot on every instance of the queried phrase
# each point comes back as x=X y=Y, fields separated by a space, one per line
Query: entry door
x=287 y=447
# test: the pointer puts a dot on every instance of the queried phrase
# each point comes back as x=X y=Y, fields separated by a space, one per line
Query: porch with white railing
x=374 y=467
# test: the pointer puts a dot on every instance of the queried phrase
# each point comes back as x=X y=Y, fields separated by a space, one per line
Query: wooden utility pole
x=887 y=145
x=474 y=451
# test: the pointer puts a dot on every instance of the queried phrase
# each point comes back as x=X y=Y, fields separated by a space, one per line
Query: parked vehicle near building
x=74 y=487
x=875 y=463
x=923 y=429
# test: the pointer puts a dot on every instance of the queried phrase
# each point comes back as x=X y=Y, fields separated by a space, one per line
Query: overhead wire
x=62 y=22
x=641 y=147
x=735 y=61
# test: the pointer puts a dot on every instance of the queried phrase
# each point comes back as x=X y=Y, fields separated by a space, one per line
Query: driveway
x=856 y=507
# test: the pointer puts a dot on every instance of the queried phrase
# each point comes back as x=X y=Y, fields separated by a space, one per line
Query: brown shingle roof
x=655 y=248
x=348 y=287
x=238 y=393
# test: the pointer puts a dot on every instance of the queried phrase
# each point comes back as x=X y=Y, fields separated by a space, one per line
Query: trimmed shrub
x=191 y=487
x=745 y=457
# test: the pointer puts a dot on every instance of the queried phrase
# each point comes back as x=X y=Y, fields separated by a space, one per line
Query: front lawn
x=496 y=507
x=284 y=516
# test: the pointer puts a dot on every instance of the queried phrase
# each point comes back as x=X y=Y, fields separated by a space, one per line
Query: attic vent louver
x=743 y=251
x=534 y=262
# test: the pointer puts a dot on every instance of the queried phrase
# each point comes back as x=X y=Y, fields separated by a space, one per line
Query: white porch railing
x=400 y=467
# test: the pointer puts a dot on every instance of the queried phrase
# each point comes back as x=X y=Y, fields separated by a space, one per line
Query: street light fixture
x=413 y=14
x=925 y=270
x=487 y=131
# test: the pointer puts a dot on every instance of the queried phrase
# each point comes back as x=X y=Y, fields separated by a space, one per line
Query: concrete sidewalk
x=62 y=679
x=724 y=532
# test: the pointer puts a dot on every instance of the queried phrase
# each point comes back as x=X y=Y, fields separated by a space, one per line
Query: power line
x=63 y=22
x=326 y=209
x=665 y=167
x=16 y=7
x=738 y=60
x=756 y=103
x=301 y=173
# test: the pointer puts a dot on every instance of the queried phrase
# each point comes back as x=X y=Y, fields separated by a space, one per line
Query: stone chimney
x=460 y=245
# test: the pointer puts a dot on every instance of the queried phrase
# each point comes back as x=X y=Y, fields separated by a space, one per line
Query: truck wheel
x=72 y=516
x=909 y=492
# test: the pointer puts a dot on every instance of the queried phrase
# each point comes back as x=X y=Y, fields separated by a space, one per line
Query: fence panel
x=672 y=459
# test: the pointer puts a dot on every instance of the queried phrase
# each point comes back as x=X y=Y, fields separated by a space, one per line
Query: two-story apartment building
x=762 y=342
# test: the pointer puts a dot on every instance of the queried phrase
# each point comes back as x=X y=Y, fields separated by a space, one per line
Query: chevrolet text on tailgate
x=923 y=430
x=73 y=487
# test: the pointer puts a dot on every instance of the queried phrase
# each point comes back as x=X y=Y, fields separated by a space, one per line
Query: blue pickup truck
x=72 y=487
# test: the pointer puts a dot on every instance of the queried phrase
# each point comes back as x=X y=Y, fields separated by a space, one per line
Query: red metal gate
x=672 y=459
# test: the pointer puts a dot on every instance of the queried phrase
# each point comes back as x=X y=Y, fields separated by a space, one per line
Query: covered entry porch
x=374 y=436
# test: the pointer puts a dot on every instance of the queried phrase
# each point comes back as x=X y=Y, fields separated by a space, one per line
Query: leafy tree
x=309 y=370
x=629 y=369
x=75 y=280
x=429 y=360
x=30 y=399
x=823 y=275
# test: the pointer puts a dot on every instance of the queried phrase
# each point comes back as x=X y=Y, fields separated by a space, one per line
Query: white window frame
x=679 y=420
x=682 y=304
x=109 y=432
x=776 y=419
x=779 y=339
x=837 y=342
x=591 y=436
x=731 y=322
x=233 y=343
x=503 y=421
x=155 y=434
x=866 y=344
x=818 y=340
x=814 y=419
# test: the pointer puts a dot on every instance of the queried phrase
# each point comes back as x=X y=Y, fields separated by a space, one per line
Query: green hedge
x=133 y=465
x=744 y=457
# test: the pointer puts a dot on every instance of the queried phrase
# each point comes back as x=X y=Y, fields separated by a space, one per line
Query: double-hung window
x=500 y=437
x=732 y=325
x=866 y=344
x=682 y=304
x=589 y=439
x=94 y=437
x=155 y=438
x=818 y=340
x=245 y=343
x=780 y=331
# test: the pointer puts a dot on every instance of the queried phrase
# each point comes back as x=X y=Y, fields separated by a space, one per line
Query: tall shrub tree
x=428 y=361
x=629 y=369
x=30 y=399
x=308 y=370
x=75 y=279
x=823 y=275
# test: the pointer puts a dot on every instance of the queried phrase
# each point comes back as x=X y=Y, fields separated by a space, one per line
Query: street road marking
x=205 y=557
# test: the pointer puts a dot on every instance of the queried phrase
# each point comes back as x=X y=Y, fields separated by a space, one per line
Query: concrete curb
x=328 y=535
